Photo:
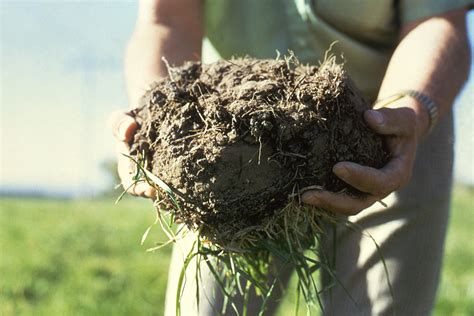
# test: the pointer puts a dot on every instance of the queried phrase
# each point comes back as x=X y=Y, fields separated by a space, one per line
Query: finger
x=123 y=126
x=142 y=189
x=386 y=121
x=336 y=202
x=138 y=188
x=378 y=182
x=127 y=169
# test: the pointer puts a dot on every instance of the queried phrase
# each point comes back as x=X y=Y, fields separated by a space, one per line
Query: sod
x=230 y=146
x=236 y=138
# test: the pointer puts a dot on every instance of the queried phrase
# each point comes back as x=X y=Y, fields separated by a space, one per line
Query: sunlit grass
x=79 y=257
x=456 y=291
x=85 y=258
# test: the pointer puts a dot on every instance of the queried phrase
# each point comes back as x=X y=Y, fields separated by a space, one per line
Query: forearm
x=165 y=28
x=433 y=58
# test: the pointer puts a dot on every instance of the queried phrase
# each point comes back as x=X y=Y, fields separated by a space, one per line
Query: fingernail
x=377 y=117
x=309 y=197
x=340 y=171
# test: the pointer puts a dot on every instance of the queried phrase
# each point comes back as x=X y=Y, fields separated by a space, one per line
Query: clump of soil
x=237 y=137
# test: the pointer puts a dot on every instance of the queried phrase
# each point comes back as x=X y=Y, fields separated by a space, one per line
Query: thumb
x=123 y=125
x=392 y=121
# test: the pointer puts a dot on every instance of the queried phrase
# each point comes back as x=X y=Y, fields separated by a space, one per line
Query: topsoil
x=237 y=138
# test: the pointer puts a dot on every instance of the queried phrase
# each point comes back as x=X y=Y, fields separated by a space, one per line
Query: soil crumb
x=237 y=137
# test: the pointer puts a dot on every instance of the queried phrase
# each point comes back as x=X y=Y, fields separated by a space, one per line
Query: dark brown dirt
x=237 y=137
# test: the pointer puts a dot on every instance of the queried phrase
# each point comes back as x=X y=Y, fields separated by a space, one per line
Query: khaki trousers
x=410 y=232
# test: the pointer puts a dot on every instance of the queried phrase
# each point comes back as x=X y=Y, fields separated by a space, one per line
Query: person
x=415 y=50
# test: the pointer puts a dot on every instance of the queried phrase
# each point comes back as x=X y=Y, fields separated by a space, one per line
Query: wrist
x=422 y=117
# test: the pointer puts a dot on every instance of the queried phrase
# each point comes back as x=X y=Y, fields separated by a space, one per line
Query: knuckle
x=400 y=183
x=380 y=189
x=385 y=188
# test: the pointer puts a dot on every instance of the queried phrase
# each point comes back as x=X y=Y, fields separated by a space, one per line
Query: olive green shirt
x=366 y=31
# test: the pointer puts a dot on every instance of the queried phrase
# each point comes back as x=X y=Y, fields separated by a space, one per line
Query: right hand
x=123 y=128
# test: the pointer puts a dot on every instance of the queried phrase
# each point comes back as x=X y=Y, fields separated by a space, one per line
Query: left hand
x=123 y=128
x=401 y=128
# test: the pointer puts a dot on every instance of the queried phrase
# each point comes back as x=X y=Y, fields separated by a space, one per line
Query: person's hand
x=123 y=128
x=401 y=127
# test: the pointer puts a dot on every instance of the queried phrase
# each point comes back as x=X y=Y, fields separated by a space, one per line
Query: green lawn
x=85 y=258
x=456 y=291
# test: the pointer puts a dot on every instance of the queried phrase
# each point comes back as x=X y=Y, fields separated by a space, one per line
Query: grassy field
x=84 y=258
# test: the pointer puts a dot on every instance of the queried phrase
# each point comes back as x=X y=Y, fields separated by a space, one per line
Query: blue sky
x=61 y=75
